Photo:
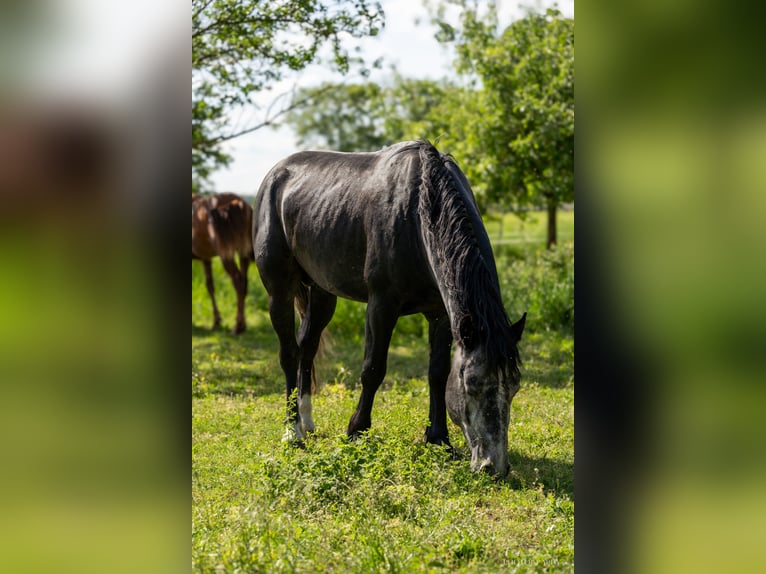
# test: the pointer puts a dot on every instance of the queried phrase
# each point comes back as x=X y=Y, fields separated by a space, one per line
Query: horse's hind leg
x=378 y=328
x=440 y=341
x=211 y=291
x=320 y=307
x=236 y=279
x=282 y=313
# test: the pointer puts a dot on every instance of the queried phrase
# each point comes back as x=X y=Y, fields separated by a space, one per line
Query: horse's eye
x=472 y=384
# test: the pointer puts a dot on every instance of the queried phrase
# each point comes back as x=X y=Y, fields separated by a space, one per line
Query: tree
x=241 y=47
x=516 y=135
x=340 y=117
x=368 y=116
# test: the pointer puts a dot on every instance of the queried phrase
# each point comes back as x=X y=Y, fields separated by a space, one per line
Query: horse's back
x=350 y=220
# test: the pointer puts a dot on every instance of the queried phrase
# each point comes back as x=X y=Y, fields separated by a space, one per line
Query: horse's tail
x=301 y=303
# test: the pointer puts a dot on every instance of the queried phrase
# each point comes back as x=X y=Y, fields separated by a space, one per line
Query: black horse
x=399 y=229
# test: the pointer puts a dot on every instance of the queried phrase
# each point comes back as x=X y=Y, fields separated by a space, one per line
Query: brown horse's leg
x=211 y=290
x=236 y=278
x=320 y=308
x=244 y=263
x=440 y=342
x=378 y=328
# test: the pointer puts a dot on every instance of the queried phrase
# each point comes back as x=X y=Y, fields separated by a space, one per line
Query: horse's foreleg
x=237 y=280
x=379 y=326
x=320 y=308
x=440 y=342
x=211 y=291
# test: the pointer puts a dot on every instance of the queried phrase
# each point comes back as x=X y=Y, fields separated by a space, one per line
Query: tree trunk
x=551 y=225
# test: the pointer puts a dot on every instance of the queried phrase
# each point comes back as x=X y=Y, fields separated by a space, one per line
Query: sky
x=410 y=47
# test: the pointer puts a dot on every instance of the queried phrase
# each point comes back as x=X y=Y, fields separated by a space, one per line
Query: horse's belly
x=347 y=288
x=335 y=270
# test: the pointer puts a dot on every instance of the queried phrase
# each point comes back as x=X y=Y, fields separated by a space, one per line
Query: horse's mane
x=452 y=239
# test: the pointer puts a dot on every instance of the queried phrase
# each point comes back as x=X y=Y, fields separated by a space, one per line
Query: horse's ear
x=517 y=328
x=466 y=332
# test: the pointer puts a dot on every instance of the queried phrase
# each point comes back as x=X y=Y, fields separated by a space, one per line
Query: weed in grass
x=386 y=501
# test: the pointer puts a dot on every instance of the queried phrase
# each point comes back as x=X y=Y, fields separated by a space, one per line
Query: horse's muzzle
x=488 y=467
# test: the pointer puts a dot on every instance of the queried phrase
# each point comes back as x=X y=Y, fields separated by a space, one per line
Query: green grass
x=510 y=228
x=388 y=502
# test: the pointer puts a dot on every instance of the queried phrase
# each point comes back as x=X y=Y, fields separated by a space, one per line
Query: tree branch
x=270 y=119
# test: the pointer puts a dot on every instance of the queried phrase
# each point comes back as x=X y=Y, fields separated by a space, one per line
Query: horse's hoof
x=438 y=439
x=354 y=435
x=293 y=438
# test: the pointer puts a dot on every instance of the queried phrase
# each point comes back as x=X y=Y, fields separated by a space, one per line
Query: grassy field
x=388 y=502
x=508 y=228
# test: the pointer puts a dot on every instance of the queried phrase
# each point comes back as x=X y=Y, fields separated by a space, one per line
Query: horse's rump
x=229 y=223
x=202 y=246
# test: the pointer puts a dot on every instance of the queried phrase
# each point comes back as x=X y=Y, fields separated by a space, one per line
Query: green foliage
x=340 y=117
x=542 y=284
x=241 y=47
x=508 y=228
x=510 y=125
x=367 y=117
x=514 y=133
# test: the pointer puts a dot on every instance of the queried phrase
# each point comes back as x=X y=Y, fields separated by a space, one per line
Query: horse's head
x=479 y=395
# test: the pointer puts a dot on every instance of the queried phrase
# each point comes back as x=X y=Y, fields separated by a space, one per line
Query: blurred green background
x=671 y=149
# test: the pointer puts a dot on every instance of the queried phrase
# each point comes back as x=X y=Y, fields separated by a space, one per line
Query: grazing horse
x=399 y=229
x=221 y=226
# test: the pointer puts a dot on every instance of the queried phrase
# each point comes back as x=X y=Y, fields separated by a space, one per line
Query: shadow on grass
x=248 y=364
x=407 y=359
x=527 y=473
x=203 y=331
x=228 y=364
x=555 y=476
x=548 y=359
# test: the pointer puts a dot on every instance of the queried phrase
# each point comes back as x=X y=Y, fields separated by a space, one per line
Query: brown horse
x=221 y=225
